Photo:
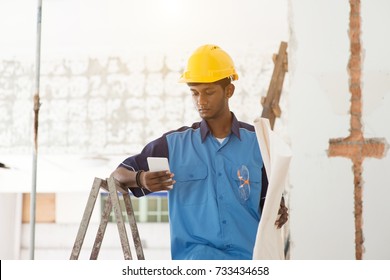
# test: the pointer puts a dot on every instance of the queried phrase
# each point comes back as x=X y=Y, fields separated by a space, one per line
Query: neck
x=222 y=126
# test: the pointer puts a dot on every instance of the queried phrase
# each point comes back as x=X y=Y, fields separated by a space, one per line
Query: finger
x=160 y=180
x=281 y=221
x=279 y=224
x=155 y=174
x=282 y=209
x=161 y=183
x=284 y=215
x=168 y=185
x=151 y=178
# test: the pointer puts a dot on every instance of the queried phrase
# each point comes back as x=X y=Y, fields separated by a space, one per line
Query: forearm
x=125 y=177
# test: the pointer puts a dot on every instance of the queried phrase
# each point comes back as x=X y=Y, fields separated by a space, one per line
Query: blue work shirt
x=208 y=217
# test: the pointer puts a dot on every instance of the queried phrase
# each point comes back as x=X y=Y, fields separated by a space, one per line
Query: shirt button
x=219 y=174
x=220 y=197
x=224 y=222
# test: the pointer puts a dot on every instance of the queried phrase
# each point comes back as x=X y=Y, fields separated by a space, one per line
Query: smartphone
x=158 y=163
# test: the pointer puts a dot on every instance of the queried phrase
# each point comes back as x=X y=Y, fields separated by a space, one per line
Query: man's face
x=210 y=99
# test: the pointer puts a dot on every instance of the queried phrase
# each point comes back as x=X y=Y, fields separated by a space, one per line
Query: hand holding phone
x=158 y=164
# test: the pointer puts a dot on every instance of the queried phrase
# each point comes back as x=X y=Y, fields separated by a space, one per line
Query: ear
x=229 y=90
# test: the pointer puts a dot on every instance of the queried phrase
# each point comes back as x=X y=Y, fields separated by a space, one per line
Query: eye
x=195 y=93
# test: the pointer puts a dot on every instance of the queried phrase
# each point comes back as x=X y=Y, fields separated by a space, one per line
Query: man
x=216 y=167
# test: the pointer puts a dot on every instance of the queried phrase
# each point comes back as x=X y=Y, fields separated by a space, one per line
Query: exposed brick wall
x=354 y=69
x=355 y=146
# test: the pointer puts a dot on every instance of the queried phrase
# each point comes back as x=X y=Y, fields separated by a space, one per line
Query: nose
x=202 y=100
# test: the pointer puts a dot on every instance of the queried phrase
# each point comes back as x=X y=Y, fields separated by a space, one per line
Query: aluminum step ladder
x=112 y=187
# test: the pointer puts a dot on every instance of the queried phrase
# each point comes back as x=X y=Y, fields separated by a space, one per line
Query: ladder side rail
x=86 y=219
x=119 y=219
x=101 y=231
x=133 y=226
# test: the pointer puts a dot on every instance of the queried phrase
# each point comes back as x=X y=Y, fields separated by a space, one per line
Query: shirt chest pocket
x=248 y=188
x=191 y=185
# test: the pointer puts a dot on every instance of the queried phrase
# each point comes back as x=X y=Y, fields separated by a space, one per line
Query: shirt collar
x=205 y=130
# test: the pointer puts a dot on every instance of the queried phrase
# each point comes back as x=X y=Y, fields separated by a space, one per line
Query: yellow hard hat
x=209 y=63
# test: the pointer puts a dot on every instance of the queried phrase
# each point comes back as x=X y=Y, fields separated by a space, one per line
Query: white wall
x=106 y=27
x=322 y=218
x=376 y=98
x=10 y=225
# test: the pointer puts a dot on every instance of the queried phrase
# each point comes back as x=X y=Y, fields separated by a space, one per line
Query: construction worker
x=217 y=183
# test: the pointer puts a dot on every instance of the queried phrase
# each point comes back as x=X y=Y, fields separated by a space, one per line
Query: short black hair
x=223 y=82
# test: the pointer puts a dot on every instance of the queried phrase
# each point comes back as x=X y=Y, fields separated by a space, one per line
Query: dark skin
x=153 y=181
x=212 y=102
x=283 y=214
